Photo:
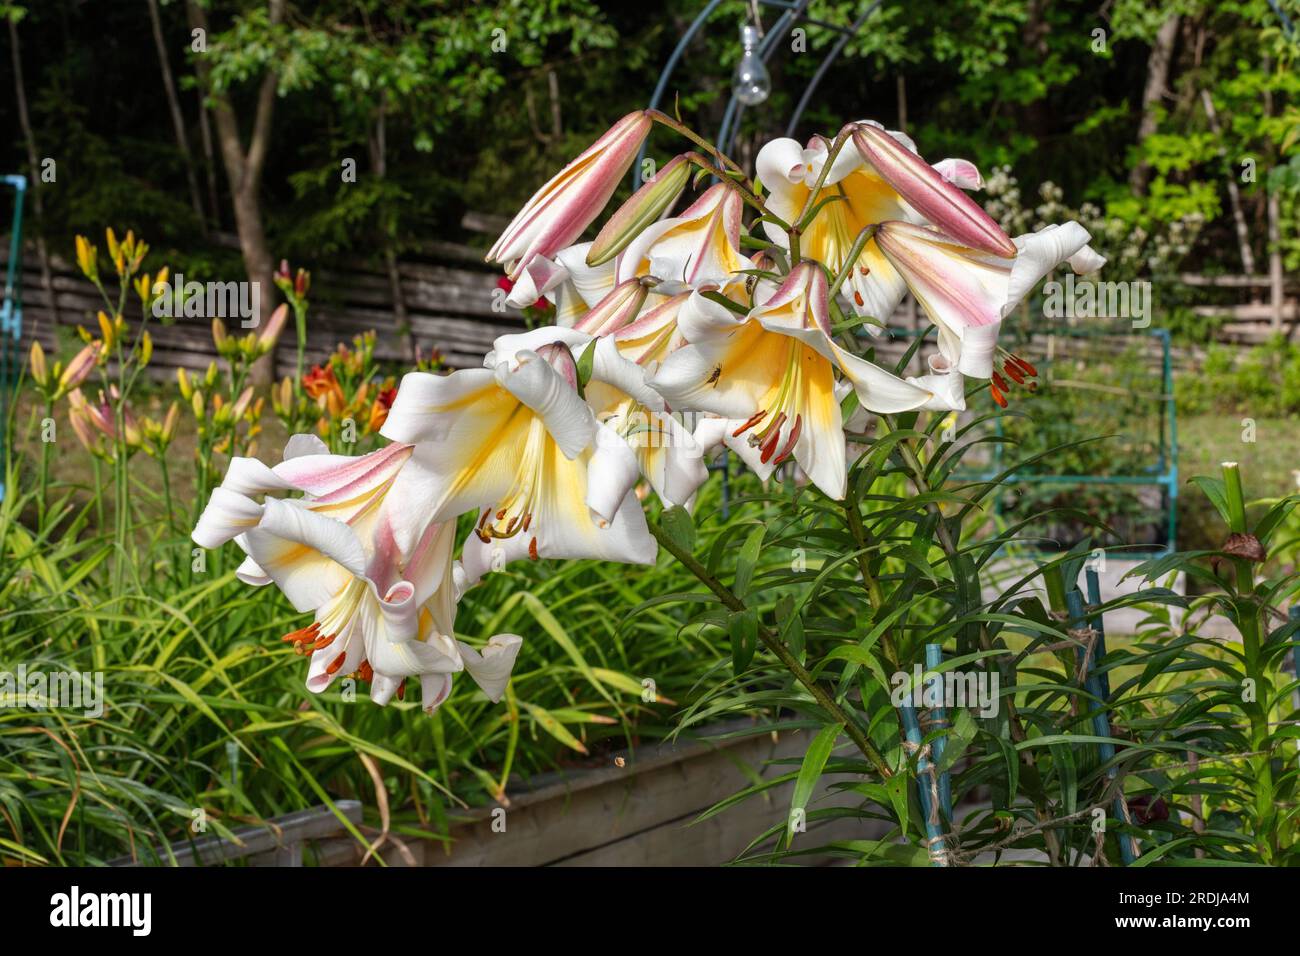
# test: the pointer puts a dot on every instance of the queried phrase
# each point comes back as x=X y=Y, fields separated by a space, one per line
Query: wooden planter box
x=635 y=815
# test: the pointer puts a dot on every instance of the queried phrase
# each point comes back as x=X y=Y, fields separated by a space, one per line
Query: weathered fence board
x=452 y=305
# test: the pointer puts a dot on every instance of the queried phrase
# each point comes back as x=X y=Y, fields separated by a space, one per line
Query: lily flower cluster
x=670 y=341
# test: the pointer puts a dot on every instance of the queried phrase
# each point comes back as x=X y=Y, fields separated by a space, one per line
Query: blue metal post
x=939 y=720
x=1100 y=720
x=11 y=312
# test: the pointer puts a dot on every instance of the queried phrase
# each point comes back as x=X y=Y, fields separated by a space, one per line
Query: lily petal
x=491 y=668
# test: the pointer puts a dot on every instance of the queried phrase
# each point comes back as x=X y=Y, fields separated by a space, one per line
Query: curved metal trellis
x=793 y=12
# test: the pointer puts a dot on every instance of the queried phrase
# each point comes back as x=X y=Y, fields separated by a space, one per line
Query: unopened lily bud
x=84 y=334
x=210 y=376
x=79 y=368
x=302 y=282
x=645 y=206
x=266 y=341
x=40 y=372
x=183 y=382
x=113 y=248
x=241 y=403
x=281 y=396
x=219 y=337
x=196 y=403
x=169 y=423
x=146 y=347
x=87 y=259
x=617 y=309
x=106 y=329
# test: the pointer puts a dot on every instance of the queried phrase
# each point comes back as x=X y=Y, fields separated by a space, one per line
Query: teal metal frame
x=1163 y=474
x=11 y=314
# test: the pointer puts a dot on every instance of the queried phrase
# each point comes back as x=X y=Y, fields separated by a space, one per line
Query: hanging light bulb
x=751 y=82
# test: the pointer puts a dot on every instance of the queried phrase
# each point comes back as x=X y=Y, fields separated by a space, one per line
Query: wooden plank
x=637 y=814
x=313 y=823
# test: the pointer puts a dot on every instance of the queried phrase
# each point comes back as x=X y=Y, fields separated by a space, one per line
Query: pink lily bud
x=616 y=310
x=266 y=341
x=929 y=193
x=558 y=213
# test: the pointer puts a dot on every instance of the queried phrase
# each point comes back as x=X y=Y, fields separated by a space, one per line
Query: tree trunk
x=244 y=172
x=1274 y=211
x=209 y=161
x=1275 y=290
x=178 y=118
x=24 y=120
x=1234 y=194
x=1162 y=51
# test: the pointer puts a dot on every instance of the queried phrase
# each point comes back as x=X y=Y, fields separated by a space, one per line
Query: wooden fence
x=448 y=293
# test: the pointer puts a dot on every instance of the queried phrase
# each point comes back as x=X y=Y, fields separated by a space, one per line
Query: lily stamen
x=790 y=442
x=753 y=420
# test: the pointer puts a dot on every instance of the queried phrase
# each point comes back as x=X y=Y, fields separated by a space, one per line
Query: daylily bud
x=219 y=337
x=210 y=376
x=266 y=341
x=146 y=347
x=169 y=423
x=241 y=403
x=302 y=282
x=36 y=361
x=106 y=329
x=282 y=396
x=114 y=250
x=925 y=189
x=84 y=334
x=196 y=403
x=87 y=259
x=79 y=368
x=645 y=206
x=183 y=382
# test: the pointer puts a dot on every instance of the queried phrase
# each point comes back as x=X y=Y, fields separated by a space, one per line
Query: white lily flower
x=379 y=612
x=968 y=293
x=869 y=193
x=518 y=442
x=771 y=375
x=699 y=248
x=623 y=402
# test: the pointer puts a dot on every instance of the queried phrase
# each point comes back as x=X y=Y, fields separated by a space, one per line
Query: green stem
x=1247 y=608
x=1033 y=780
x=862 y=539
x=42 y=501
x=773 y=642
x=300 y=321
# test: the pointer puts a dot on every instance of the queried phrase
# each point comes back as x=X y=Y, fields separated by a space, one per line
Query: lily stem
x=1033 y=780
x=773 y=643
